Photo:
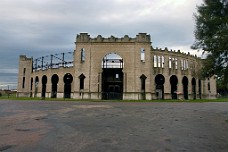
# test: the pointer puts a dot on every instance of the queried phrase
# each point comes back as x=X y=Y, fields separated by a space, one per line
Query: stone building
x=115 y=68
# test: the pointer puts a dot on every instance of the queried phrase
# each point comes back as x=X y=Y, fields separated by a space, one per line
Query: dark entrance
x=160 y=80
x=67 y=86
x=31 y=86
x=44 y=82
x=112 y=77
x=185 y=87
x=54 y=81
x=143 y=87
x=36 y=86
x=173 y=82
x=193 y=88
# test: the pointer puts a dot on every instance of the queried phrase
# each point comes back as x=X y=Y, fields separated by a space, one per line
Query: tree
x=211 y=36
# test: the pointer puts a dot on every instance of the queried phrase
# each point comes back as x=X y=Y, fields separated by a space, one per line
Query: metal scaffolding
x=53 y=61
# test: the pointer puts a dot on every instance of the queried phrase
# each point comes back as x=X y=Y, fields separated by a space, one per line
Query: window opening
x=170 y=62
x=163 y=62
x=24 y=71
x=82 y=55
x=182 y=64
x=23 y=83
x=155 y=61
x=159 y=61
x=176 y=64
x=142 y=55
x=81 y=77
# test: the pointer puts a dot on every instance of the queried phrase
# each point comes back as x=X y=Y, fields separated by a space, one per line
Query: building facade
x=115 y=68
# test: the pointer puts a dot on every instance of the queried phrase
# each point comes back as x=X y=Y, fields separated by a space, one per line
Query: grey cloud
x=36 y=28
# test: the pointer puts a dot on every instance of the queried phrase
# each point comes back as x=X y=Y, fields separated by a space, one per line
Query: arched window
x=81 y=77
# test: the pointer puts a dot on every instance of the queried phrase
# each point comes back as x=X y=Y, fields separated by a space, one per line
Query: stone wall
x=89 y=64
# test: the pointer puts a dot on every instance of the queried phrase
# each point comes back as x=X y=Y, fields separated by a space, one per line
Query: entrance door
x=114 y=92
x=112 y=85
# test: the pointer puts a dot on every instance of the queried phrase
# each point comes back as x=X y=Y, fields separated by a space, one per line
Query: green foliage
x=211 y=35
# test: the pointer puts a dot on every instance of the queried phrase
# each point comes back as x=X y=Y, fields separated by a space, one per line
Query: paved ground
x=41 y=126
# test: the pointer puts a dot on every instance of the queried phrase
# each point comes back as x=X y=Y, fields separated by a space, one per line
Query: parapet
x=175 y=52
x=24 y=58
x=85 y=38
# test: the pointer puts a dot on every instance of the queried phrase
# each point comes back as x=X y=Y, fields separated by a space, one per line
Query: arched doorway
x=185 y=87
x=112 y=77
x=159 y=81
x=193 y=88
x=36 y=86
x=31 y=86
x=173 y=82
x=82 y=81
x=54 y=81
x=44 y=82
x=143 y=87
x=67 y=79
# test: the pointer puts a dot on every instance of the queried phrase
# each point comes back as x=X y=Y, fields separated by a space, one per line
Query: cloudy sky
x=43 y=27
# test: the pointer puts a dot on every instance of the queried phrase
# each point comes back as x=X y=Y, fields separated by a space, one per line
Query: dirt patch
x=22 y=129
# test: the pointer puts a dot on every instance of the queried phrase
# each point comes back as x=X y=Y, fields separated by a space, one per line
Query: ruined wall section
x=178 y=64
x=60 y=72
x=24 y=75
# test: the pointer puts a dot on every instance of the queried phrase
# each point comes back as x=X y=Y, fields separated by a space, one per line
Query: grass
x=13 y=97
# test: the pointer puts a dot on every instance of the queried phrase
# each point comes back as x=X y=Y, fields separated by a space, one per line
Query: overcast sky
x=43 y=27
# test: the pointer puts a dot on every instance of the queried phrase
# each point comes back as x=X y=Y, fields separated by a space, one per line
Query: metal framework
x=112 y=63
x=53 y=61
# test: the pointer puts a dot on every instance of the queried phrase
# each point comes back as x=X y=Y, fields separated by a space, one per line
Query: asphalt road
x=65 y=126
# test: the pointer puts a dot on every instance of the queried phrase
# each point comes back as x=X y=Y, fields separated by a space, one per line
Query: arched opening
x=54 y=88
x=143 y=87
x=193 y=88
x=31 y=86
x=67 y=79
x=112 y=77
x=44 y=82
x=36 y=86
x=173 y=81
x=159 y=81
x=185 y=87
x=81 y=85
x=200 y=92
